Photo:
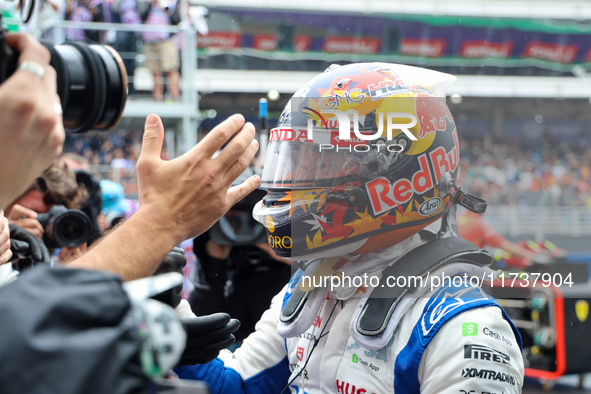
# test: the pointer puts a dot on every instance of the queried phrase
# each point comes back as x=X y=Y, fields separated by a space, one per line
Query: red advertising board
x=551 y=52
x=427 y=47
x=484 y=48
x=268 y=42
x=219 y=39
x=339 y=44
x=265 y=42
x=301 y=43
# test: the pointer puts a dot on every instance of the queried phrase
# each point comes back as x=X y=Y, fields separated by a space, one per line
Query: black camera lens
x=71 y=229
x=91 y=84
x=65 y=227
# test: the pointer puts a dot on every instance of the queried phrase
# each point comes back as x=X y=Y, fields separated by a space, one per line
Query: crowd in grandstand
x=518 y=171
x=506 y=171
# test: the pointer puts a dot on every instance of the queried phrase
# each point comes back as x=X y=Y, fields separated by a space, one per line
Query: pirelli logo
x=488 y=374
x=480 y=352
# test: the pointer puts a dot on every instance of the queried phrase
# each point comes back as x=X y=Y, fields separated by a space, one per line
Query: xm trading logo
x=488 y=374
x=343 y=123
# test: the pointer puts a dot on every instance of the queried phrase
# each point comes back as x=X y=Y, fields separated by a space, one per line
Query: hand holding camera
x=33 y=138
x=26 y=219
x=27 y=248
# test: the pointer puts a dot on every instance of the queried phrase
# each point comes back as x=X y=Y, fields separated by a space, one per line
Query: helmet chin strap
x=447 y=186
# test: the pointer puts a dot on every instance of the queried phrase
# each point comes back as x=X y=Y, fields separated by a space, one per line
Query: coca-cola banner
x=430 y=38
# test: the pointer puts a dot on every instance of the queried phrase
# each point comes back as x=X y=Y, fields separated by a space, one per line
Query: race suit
x=452 y=340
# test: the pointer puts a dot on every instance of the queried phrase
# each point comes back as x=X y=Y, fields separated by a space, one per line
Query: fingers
x=29 y=48
x=214 y=335
x=31 y=225
x=39 y=252
x=204 y=324
x=18 y=211
x=238 y=192
x=153 y=138
x=241 y=143
x=5 y=257
x=240 y=165
x=220 y=135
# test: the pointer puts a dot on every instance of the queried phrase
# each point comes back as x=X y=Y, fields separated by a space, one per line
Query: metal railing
x=540 y=220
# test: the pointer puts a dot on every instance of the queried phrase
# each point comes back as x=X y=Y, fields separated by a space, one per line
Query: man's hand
x=187 y=195
x=26 y=219
x=5 y=252
x=32 y=132
x=206 y=336
x=68 y=254
x=27 y=247
x=179 y=199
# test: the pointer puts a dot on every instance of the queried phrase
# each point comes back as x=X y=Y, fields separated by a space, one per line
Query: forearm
x=133 y=250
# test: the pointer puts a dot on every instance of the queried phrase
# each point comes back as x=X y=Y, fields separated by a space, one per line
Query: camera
x=91 y=82
x=237 y=227
x=113 y=219
x=65 y=227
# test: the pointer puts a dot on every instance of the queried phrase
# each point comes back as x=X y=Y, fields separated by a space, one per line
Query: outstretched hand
x=189 y=194
x=179 y=199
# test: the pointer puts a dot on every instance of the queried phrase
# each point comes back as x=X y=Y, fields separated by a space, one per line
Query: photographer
x=56 y=186
x=162 y=55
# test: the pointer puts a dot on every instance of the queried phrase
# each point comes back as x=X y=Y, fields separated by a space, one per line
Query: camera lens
x=91 y=84
x=71 y=229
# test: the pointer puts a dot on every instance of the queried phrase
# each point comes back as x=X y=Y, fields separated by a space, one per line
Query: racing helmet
x=357 y=161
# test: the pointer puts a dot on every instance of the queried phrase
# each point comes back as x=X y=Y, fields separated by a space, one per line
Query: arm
x=460 y=358
x=258 y=366
x=179 y=199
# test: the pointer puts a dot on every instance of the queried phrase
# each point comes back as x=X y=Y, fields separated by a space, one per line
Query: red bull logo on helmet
x=433 y=114
x=385 y=195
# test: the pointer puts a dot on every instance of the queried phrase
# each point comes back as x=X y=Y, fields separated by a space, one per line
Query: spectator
x=86 y=11
x=126 y=12
x=162 y=55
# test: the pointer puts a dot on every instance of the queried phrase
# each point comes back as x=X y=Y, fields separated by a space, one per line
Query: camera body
x=91 y=82
x=65 y=227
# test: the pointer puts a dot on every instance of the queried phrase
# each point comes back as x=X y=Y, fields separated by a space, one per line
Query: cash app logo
x=355 y=358
x=470 y=329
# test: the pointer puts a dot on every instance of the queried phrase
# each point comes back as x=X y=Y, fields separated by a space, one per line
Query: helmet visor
x=301 y=165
